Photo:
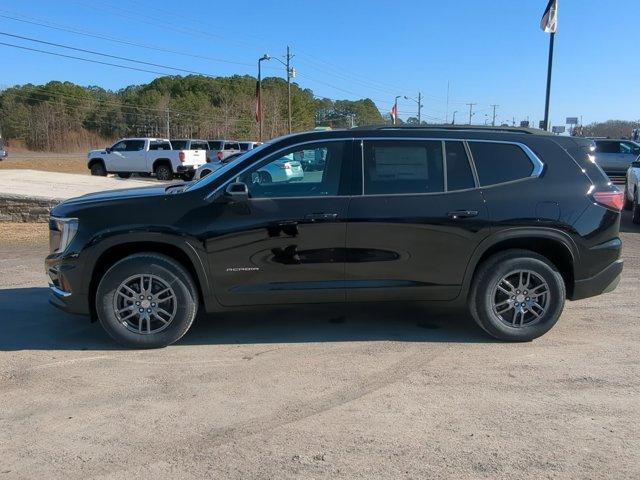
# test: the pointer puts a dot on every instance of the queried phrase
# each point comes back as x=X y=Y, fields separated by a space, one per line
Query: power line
x=93 y=52
x=121 y=41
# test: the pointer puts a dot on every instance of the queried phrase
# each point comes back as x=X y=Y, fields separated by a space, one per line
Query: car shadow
x=626 y=225
x=29 y=322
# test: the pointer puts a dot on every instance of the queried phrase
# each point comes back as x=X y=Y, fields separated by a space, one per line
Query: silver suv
x=615 y=156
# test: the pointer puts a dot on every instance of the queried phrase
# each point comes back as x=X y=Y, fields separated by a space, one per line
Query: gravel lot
x=381 y=392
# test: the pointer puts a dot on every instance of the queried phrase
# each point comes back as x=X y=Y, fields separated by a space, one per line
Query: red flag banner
x=394 y=113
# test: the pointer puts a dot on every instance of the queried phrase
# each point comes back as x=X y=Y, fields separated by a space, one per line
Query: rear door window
x=459 y=173
x=500 y=162
x=403 y=167
x=134 y=145
x=231 y=146
x=607 y=146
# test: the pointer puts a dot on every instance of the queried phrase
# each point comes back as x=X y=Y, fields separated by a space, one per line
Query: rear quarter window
x=500 y=162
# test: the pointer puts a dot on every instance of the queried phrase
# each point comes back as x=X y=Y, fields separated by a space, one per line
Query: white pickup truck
x=147 y=156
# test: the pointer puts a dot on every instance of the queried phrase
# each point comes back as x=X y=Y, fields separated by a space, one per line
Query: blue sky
x=490 y=52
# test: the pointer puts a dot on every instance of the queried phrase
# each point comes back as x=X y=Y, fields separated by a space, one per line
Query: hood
x=99 y=151
x=64 y=207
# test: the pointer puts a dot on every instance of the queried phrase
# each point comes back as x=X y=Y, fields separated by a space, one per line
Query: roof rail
x=529 y=131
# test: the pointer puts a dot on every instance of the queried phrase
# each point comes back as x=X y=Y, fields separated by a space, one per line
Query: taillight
x=219 y=155
x=181 y=156
x=612 y=199
x=286 y=166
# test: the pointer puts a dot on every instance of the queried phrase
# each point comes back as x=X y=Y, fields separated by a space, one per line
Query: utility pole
x=168 y=125
x=419 y=107
x=290 y=74
x=454 y=117
x=493 y=121
x=471 y=105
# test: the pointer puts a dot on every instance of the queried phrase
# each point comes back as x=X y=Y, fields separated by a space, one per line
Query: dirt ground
x=48 y=162
x=354 y=393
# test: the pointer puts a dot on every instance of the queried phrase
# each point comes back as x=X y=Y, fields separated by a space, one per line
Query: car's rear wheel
x=163 y=172
x=97 y=169
x=635 y=218
x=146 y=300
x=628 y=202
x=517 y=295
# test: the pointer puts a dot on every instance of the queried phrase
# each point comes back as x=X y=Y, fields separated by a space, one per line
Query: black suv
x=508 y=222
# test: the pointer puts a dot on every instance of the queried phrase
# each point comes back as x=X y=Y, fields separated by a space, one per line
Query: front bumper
x=605 y=281
x=65 y=290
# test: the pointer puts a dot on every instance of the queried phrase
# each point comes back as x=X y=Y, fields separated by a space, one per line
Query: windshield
x=227 y=167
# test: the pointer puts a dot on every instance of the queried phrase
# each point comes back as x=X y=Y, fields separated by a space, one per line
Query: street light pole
x=259 y=106
x=454 y=117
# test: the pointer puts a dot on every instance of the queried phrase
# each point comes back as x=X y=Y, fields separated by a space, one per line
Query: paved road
x=319 y=393
x=61 y=186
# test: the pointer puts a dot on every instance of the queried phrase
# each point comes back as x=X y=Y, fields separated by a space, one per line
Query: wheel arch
x=554 y=245
x=184 y=254
x=161 y=161
x=95 y=160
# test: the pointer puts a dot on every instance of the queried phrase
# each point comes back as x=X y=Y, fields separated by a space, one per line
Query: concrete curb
x=23 y=209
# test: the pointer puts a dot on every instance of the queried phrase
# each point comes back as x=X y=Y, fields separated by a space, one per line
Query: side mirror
x=635 y=164
x=237 y=192
x=108 y=149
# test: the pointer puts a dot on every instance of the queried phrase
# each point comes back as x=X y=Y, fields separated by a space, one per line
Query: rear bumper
x=605 y=281
x=187 y=168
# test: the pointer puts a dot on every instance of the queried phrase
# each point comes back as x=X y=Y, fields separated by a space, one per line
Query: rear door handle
x=322 y=217
x=462 y=214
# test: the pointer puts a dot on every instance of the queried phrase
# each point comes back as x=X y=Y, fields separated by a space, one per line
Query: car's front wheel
x=146 y=300
x=97 y=169
x=517 y=295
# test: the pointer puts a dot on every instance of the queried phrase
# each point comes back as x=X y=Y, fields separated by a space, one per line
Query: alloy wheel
x=145 y=304
x=520 y=298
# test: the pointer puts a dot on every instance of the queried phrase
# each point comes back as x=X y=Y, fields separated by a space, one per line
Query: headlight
x=61 y=233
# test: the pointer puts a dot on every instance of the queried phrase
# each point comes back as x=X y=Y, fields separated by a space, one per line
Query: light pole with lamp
x=259 y=99
x=419 y=102
x=454 y=117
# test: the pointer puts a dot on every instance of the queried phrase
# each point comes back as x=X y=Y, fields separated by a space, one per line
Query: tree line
x=63 y=116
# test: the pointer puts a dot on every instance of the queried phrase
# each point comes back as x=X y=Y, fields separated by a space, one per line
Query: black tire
x=628 y=203
x=204 y=173
x=635 y=218
x=97 y=169
x=166 y=270
x=123 y=175
x=187 y=177
x=486 y=279
x=164 y=172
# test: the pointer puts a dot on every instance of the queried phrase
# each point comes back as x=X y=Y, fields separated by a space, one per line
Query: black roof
x=456 y=128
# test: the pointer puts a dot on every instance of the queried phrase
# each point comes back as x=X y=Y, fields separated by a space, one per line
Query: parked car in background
x=145 y=156
x=632 y=190
x=503 y=221
x=615 y=155
x=220 y=149
x=245 y=146
x=213 y=165
x=3 y=150
x=189 y=144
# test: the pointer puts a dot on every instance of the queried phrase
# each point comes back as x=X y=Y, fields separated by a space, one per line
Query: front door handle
x=321 y=217
x=462 y=214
